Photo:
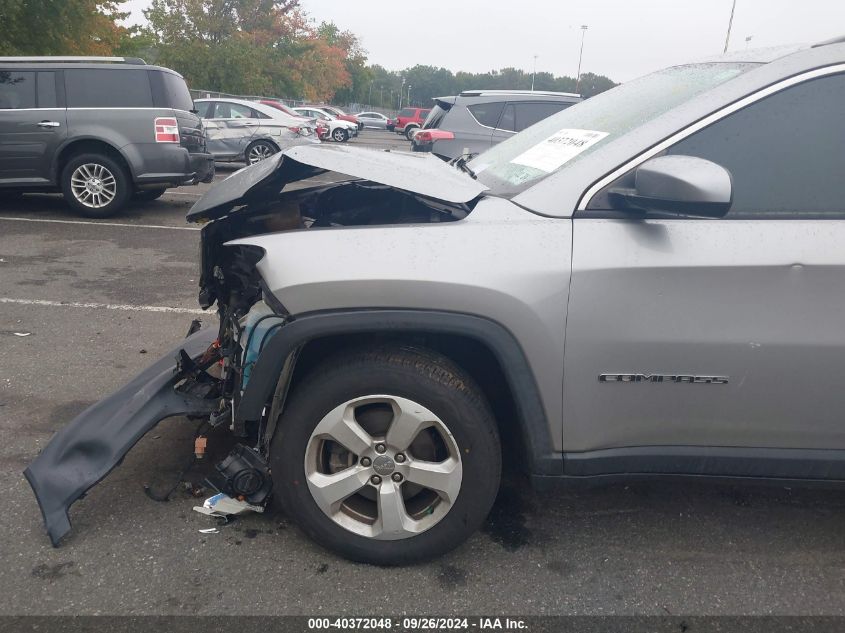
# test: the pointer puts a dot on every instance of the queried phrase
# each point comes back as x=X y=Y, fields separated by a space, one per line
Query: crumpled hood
x=422 y=174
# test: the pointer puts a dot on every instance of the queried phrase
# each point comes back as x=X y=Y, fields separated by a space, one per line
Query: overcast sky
x=625 y=39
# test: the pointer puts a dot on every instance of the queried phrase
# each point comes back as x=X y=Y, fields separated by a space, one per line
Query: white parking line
x=101 y=306
x=135 y=226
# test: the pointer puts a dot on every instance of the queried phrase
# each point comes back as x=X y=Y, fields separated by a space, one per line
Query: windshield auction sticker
x=560 y=147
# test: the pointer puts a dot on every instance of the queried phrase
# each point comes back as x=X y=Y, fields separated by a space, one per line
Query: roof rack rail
x=833 y=40
x=47 y=59
x=476 y=93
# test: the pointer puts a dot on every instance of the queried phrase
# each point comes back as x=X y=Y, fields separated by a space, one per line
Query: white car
x=239 y=130
x=373 y=119
x=340 y=131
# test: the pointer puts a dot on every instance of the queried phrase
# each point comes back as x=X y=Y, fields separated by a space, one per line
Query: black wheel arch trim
x=543 y=460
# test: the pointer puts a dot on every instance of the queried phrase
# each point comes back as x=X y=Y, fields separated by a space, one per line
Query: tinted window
x=108 y=88
x=508 y=121
x=785 y=153
x=173 y=90
x=203 y=108
x=47 y=90
x=406 y=112
x=529 y=113
x=226 y=110
x=17 y=90
x=487 y=113
x=435 y=117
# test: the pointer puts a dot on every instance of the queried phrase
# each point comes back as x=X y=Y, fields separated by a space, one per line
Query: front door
x=690 y=333
x=32 y=126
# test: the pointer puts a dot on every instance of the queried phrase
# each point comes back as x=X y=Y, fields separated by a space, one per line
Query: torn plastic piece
x=221 y=505
x=199 y=446
x=210 y=531
x=22 y=333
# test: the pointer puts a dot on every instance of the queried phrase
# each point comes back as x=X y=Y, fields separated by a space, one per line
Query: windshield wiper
x=461 y=163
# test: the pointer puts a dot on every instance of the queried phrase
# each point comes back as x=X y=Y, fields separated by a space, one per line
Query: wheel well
x=91 y=146
x=471 y=355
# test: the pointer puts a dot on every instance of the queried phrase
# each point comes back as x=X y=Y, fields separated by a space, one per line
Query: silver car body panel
x=435 y=267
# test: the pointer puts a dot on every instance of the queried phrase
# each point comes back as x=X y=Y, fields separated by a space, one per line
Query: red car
x=340 y=114
x=410 y=119
x=321 y=130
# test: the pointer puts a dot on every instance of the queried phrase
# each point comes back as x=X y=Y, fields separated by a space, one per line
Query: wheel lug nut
x=366 y=461
x=397 y=477
x=375 y=480
x=380 y=448
x=399 y=458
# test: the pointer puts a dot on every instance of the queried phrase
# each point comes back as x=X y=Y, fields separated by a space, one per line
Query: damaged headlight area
x=210 y=374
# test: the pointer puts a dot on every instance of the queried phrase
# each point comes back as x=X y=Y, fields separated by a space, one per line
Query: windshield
x=544 y=148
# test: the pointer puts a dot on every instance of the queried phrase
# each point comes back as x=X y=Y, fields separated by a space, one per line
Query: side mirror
x=682 y=185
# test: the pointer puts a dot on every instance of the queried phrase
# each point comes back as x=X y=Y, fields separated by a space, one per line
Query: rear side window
x=487 y=113
x=47 y=90
x=108 y=88
x=529 y=113
x=171 y=91
x=17 y=90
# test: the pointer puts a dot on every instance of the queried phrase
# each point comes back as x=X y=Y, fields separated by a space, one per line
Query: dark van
x=101 y=130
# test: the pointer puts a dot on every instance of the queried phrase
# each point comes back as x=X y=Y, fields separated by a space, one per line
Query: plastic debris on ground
x=210 y=531
x=222 y=505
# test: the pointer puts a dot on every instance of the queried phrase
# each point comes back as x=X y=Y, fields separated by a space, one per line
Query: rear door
x=519 y=115
x=230 y=128
x=662 y=305
x=477 y=136
x=32 y=125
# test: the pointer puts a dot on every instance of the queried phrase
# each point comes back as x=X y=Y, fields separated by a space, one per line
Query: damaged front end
x=208 y=374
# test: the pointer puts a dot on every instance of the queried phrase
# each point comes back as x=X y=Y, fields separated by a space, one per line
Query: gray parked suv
x=476 y=120
x=649 y=283
x=100 y=130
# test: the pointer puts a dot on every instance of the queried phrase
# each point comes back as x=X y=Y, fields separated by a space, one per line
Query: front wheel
x=340 y=135
x=387 y=456
x=95 y=185
x=409 y=131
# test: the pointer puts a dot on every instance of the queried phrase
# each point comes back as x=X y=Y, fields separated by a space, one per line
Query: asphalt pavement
x=86 y=304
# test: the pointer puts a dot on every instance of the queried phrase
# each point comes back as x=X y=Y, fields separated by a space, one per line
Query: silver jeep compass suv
x=650 y=282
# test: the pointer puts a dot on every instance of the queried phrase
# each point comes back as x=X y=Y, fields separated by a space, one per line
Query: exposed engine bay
x=250 y=315
x=205 y=378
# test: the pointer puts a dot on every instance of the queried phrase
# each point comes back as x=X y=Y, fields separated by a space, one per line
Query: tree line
x=255 y=47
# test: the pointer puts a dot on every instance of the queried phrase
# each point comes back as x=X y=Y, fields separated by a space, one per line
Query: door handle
x=251 y=123
x=49 y=124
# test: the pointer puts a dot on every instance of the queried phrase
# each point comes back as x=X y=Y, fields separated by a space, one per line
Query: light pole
x=533 y=72
x=730 y=23
x=584 y=28
x=401 y=93
x=409 y=95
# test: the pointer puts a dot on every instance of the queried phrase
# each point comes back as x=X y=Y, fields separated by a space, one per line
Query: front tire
x=340 y=135
x=95 y=185
x=409 y=131
x=387 y=456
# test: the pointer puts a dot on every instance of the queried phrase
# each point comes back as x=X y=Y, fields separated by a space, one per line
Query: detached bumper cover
x=89 y=447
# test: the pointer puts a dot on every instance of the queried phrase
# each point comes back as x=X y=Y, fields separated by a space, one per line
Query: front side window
x=205 y=109
x=108 y=88
x=226 y=110
x=406 y=112
x=785 y=152
x=17 y=90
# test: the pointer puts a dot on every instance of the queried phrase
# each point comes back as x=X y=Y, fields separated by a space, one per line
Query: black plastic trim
x=308 y=327
x=710 y=461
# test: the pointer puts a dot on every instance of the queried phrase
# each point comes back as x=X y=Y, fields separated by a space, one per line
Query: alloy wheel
x=93 y=185
x=383 y=467
x=259 y=152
